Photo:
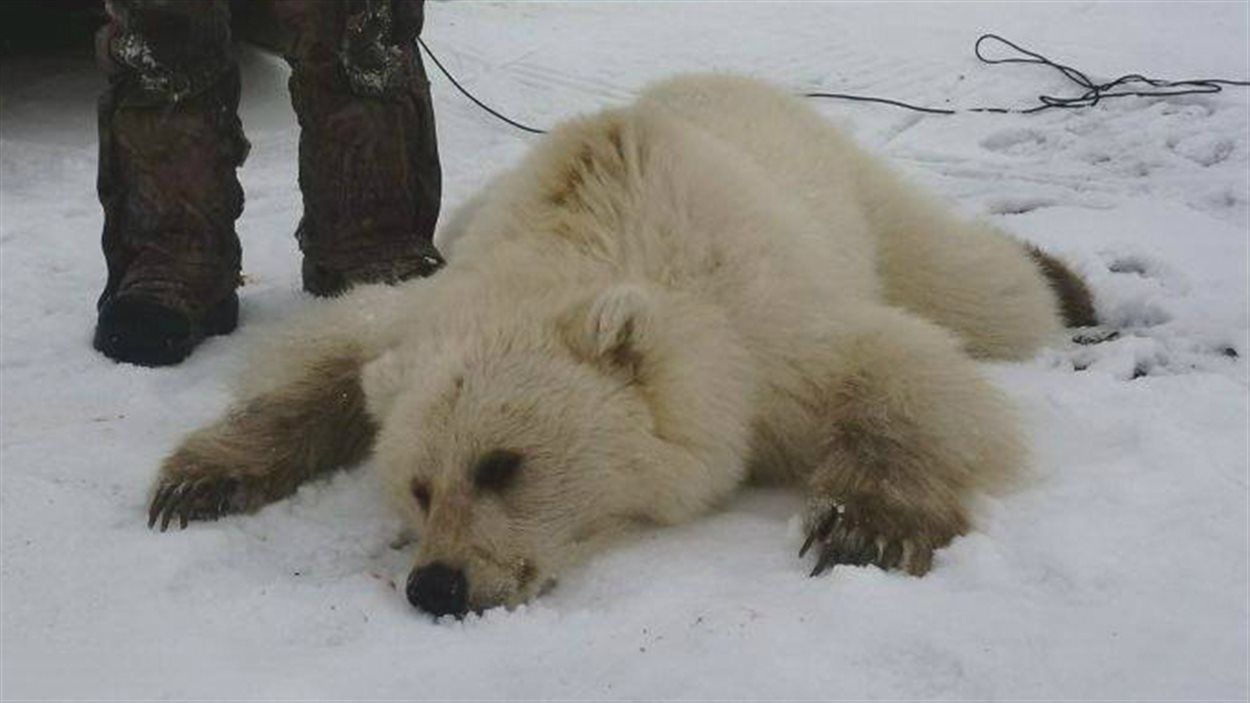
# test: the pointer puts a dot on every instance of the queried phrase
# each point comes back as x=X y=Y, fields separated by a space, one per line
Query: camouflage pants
x=369 y=166
x=178 y=47
x=170 y=142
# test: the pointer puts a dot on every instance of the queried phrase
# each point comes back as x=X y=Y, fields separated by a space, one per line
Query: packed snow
x=1118 y=570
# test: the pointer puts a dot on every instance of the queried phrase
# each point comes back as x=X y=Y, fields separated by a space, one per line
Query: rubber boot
x=170 y=142
x=368 y=155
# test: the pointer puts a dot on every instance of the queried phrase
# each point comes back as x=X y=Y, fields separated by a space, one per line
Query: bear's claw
x=202 y=499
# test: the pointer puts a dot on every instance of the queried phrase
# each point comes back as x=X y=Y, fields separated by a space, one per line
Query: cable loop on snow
x=1095 y=92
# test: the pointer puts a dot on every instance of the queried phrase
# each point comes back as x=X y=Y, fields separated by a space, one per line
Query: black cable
x=883 y=101
x=467 y=94
x=1094 y=92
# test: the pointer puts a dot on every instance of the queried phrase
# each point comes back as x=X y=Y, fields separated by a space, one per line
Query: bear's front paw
x=868 y=530
x=190 y=491
x=194 y=499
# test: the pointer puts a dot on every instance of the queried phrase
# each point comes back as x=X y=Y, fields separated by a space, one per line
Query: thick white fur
x=663 y=299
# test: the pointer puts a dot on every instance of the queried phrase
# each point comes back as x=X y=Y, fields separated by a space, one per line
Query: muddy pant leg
x=369 y=168
x=170 y=142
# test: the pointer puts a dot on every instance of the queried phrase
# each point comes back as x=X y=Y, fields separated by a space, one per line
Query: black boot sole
x=143 y=332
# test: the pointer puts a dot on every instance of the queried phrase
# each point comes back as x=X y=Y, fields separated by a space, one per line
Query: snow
x=1118 y=570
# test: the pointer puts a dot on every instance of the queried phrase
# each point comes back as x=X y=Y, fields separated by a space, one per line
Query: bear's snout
x=438 y=589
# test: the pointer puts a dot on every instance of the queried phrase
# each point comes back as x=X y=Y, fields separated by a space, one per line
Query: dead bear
x=656 y=305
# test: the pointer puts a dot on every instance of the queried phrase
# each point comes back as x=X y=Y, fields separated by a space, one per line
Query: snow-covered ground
x=1118 y=571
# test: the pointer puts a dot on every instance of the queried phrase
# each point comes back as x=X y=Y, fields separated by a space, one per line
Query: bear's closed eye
x=421 y=491
x=496 y=470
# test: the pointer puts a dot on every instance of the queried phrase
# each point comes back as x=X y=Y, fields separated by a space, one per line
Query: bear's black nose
x=439 y=589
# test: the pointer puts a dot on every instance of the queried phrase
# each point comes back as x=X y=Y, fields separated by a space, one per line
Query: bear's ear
x=381 y=381
x=615 y=328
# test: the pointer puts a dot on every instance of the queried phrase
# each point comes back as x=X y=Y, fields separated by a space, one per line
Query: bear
x=659 y=303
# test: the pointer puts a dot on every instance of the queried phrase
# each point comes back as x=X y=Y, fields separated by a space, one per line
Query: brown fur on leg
x=913 y=432
x=264 y=448
x=1076 y=303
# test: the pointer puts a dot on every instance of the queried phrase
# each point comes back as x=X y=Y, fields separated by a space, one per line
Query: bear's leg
x=300 y=413
x=1004 y=299
x=915 y=431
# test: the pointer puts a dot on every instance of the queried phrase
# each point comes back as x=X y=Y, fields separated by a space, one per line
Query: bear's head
x=515 y=449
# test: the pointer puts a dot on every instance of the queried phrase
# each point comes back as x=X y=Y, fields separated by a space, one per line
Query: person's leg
x=170 y=142
x=368 y=164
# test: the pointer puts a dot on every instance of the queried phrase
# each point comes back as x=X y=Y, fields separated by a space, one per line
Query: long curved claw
x=820 y=532
x=163 y=494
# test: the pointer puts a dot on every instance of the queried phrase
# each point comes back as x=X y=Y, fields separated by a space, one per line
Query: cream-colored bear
x=656 y=304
